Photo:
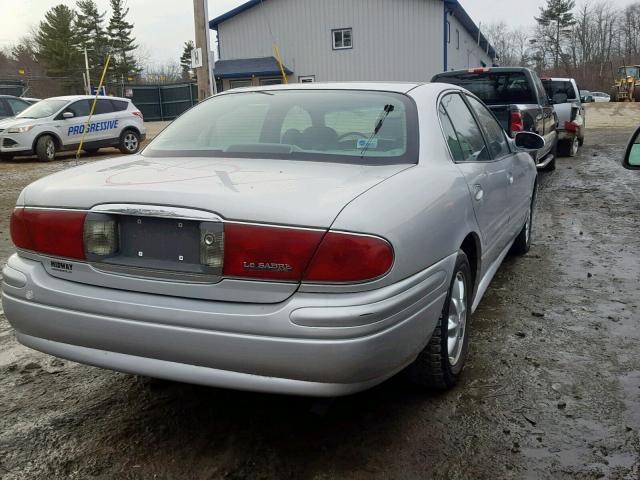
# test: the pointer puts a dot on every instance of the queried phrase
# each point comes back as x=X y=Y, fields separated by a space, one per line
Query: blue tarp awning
x=248 y=67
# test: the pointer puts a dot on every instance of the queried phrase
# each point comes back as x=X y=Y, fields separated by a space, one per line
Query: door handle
x=478 y=193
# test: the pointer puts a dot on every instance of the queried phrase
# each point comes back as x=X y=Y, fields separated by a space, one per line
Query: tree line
x=54 y=50
x=588 y=41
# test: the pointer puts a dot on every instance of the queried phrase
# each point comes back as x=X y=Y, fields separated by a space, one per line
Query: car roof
x=485 y=70
x=87 y=97
x=399 y=87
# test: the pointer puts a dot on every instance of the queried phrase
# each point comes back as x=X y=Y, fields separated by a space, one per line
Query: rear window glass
x=119 y=105
x=554 y=87
x=494 y=88
x=348 y=126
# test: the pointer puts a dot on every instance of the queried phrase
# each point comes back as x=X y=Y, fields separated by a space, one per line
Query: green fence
x=162 y=102
x=11 y=87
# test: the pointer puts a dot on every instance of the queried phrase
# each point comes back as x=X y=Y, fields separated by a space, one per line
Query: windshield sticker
x=363 y=142
x=93 y=127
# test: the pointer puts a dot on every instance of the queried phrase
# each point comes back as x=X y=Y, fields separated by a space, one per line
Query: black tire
x=46 y=148
x=433 y=369
x=91 y=151
x=522 y=243
x=6 y=157
x=129 y=142
x=563 y=148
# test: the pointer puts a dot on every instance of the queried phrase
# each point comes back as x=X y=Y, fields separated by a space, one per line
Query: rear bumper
x=311 y=344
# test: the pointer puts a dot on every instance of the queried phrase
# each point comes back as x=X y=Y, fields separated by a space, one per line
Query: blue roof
x=454 y=6
x=213 y=24
x=469 y=25
x=248 y=67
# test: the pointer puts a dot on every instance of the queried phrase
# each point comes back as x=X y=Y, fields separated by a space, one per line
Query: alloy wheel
x=130 y=142
x=457 y=321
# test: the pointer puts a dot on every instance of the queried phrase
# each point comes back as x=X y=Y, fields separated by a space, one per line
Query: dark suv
x=519 y=101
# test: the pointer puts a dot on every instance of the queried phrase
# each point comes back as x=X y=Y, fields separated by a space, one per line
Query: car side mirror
x=68 y=115
x=528 y=141
x=631 y=160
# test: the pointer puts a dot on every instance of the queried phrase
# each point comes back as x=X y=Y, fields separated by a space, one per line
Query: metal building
x=346 y=40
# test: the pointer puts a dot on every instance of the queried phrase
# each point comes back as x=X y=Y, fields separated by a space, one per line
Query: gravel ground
x=552 y=387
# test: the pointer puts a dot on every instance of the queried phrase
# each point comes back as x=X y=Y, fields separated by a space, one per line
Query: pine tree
x=185 y=60
x=559 y=15
x=120 y=40
x=89 y=26
x=56 y=46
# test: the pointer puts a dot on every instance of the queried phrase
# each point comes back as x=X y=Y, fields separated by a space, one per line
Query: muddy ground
x=552 y=387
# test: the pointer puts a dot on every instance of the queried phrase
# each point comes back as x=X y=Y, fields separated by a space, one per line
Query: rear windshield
x=346 y=126
x=555 y=87
x=494 y=88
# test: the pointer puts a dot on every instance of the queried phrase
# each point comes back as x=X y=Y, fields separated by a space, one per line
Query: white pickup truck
x=565 y=97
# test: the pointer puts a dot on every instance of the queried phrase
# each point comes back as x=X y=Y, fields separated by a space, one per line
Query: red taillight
x=52 y=232
x=138 y=114
x=344 y=257
x=479 y=70
x=274 y=253
x=570 y=127
x=516 y=123
x=266 y=252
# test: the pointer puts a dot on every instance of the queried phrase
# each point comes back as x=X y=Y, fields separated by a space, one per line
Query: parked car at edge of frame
x=565 y=98
x=517 y=98
x=308 y=239
x=11 y=106
x=631 y=159
x=58 y=123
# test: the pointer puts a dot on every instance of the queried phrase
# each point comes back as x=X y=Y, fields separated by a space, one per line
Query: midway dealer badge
x=61 y=266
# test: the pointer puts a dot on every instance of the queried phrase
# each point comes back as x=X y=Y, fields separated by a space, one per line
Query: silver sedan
x=306 y=239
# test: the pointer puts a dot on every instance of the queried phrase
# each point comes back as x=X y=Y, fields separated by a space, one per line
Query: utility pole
x=205 y=85
x=86 y=65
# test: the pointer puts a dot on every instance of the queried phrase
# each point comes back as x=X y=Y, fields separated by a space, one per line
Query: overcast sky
x=162 y=26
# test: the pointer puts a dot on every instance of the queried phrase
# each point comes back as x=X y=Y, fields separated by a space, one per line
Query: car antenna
x=388 y=108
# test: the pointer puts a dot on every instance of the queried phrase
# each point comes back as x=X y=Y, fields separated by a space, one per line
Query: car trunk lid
x=154 y=200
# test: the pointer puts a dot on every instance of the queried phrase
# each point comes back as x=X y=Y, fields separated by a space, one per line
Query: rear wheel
x=439 y=365
x=570 y=147
x=129 y=142
x=46 y=148
x=522 y=243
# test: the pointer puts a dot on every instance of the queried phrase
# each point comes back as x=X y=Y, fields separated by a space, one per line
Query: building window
x=448 y=32
x=270 y=81
x=307 y=79
x=342 y=38
x=239 y=83
x=457 y=39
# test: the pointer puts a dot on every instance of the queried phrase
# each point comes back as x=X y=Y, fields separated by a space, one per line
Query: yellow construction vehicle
x=627 y=85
